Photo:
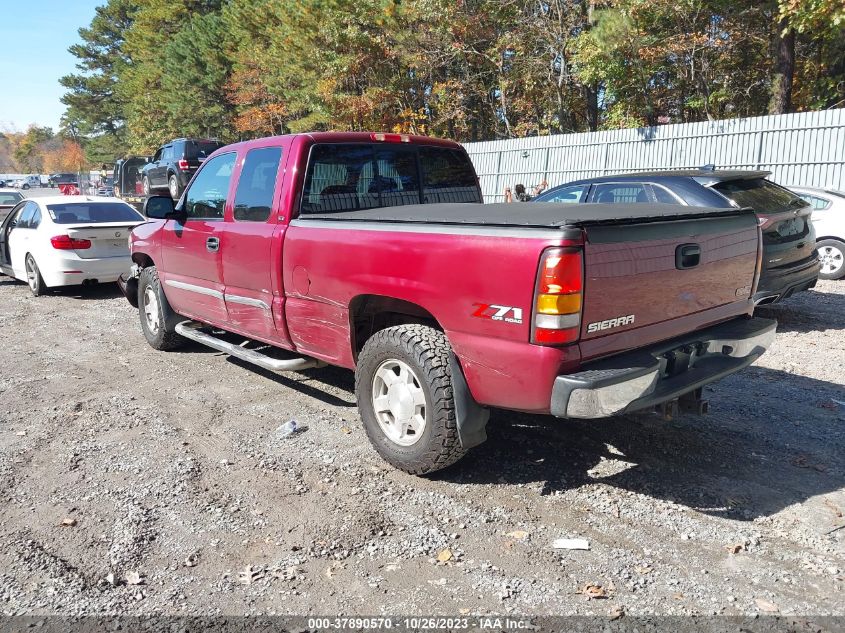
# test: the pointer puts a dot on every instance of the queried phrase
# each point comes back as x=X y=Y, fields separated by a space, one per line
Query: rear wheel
x=158 y=320
x=832 y=259
x=34 y=278
x=403 y=384
x=173 y=185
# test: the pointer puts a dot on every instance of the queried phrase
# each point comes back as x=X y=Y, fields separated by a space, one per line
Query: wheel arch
x=370 y=313
x=835 y=238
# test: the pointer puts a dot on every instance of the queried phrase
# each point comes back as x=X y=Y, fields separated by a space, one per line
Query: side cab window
x=257 y=184
x=206 y=197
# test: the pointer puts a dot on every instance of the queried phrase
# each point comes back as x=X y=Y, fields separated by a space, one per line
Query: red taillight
x=183 y=164
x=556 y=318
x=390 y=138
x=67 y=243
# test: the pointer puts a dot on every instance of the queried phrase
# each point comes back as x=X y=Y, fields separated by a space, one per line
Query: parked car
x=829 y=222
x=128 y=183
x=65 y=178
x=27 y=182
x=64 y=241
x=374 y=252
x=173 y=165
x=8 y=199
x=790 y=262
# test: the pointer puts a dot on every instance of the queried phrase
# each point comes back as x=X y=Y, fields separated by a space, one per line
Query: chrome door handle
x=212 y=244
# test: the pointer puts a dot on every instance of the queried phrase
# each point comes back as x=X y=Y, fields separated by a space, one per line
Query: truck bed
x=535 y=214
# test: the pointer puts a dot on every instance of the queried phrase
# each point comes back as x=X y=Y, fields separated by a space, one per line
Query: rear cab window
x=350 y=177
x=94 y=213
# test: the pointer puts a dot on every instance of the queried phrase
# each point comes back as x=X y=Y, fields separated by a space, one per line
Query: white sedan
x=67 y=240
x=829 y=222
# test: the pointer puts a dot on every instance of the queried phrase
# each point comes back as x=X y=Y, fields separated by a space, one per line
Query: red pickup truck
x=373 y=252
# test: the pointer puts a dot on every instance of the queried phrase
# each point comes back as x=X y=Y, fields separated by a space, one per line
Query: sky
x=34 y=38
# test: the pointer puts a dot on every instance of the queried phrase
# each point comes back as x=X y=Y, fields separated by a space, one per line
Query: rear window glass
x=761 y=195
x=200 y=149
x=94 y=212
x=355 y=177
x=448 y=176
x=350 y=177
x=10 y=198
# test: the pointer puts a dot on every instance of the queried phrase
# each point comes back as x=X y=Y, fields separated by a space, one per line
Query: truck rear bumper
x=662 y=372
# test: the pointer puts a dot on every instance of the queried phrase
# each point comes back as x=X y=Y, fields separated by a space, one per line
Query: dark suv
x=790 y=261
x=173 y=164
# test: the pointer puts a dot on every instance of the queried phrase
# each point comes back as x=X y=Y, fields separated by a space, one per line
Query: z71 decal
x=610 y=323
x=494 y=312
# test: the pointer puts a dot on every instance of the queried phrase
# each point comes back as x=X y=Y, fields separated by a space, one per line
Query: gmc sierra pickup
x=373 y=252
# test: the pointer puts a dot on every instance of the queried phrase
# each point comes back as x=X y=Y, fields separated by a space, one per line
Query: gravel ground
x=137 y=482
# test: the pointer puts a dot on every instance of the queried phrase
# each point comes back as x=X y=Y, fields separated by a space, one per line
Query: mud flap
x=472 y=417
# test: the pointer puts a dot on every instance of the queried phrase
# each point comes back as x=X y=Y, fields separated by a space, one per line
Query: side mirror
x=159 y=207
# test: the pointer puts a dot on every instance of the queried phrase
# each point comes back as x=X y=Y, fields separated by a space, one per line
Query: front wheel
x=147 y=188
x=25 y=186
x=403 y=384
x=34 y=278
x=831 y=258
x=158 y=320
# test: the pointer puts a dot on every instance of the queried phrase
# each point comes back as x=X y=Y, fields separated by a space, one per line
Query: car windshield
x=93 y=212
x=761 y=195
x=201 y=149
x=11 y=197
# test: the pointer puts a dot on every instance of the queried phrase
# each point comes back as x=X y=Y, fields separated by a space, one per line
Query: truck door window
x=206 y=197
x=448 y=176
x=620 y=193
x=256 y=185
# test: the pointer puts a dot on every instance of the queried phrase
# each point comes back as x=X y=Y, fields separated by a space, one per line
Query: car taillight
x=558 y=297
x=67 y=243
x=183 y=164
x=390 y=138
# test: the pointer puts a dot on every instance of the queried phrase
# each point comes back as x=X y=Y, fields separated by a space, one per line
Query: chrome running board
x=191 y=330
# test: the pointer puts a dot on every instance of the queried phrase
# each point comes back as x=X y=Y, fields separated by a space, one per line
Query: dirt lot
x=177 y=497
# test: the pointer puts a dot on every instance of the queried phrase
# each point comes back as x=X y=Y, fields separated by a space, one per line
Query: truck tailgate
x=641 y=273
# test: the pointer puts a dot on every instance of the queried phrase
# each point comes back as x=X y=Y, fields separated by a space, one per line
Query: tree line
x=152 y=70
x=40 y=151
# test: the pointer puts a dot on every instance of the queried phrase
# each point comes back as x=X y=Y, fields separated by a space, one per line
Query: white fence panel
x=805 y=148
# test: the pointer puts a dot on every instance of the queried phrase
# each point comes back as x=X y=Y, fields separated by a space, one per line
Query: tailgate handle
x=212 y=244
x=687 y=256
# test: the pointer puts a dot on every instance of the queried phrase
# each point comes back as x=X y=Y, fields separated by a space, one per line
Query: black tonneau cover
x=535 y=214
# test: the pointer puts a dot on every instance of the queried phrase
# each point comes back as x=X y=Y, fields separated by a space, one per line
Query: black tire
x=426 y=352
x=25 y=186
x=173 y=187
x=147 y=189
x=832 y=253
x=33 y=277
x=162 y=336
